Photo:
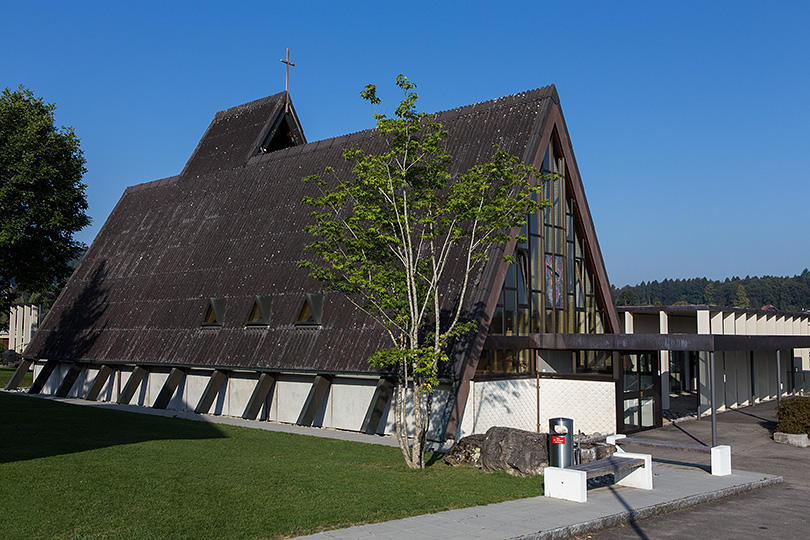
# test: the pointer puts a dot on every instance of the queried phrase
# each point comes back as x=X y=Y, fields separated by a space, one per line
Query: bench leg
x=640 y=477
x=565 y=484
x=721 y=460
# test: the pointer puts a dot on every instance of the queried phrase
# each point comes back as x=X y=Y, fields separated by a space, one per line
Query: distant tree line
x=783 y=293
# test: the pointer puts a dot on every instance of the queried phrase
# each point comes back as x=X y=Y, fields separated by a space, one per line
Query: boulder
x=466 y=452
x=518 y=452
x=595 y=451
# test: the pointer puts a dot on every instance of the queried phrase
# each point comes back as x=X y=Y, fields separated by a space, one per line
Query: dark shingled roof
x=230 y=226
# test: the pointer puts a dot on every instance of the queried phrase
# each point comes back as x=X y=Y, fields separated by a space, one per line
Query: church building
x=191 y=298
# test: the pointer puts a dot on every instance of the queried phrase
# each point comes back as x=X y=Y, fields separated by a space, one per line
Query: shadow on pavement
x=633 y=522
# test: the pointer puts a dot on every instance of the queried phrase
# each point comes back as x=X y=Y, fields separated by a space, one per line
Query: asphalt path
x=776 y=512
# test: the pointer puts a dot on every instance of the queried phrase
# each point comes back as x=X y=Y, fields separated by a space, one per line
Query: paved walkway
x=540 y=518
x=778 y=512
x=677 y=485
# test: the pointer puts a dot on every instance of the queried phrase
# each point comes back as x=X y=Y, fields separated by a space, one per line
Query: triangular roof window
x=260 y=311
x=311 y=313
x=284 y=133
x=215 y=312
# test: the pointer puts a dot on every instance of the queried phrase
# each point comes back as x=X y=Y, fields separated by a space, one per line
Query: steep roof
x=231 y=226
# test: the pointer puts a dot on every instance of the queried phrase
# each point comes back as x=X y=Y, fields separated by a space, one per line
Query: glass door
x=641 y=392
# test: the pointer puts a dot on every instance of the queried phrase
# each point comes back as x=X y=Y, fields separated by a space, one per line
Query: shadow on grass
x=32 y=428
x=435 y=457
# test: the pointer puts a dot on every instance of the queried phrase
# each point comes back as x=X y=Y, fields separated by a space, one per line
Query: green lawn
x=79 y=473
x=6 y=373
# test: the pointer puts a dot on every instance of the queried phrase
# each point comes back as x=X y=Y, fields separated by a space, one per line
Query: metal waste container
x=561 y=442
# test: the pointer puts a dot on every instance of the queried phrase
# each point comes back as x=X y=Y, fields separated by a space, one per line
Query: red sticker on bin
x=556 y=439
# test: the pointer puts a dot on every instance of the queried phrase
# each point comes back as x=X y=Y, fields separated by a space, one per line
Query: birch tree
x=386 y=234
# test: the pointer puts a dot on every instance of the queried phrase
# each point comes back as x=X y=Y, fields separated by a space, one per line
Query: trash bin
x=561 y=442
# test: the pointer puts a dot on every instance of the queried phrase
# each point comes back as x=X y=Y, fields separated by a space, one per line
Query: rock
x=466 y=452
x=594 y=451
x=518 y=452
x=792 y=439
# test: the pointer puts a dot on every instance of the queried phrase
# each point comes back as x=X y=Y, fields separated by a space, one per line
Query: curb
x=632 y=516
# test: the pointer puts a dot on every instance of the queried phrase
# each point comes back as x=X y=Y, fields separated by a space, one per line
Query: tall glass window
x=551 y=287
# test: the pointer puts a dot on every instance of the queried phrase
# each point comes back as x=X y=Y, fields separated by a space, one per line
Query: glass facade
x=551 y=287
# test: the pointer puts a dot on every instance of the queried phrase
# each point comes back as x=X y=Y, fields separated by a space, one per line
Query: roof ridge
x=549 y=90
x=249 y=105
x=153 y=183
x=542 y=92
x=354 y=135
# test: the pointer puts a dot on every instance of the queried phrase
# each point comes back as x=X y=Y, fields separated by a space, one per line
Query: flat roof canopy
x=647 y=342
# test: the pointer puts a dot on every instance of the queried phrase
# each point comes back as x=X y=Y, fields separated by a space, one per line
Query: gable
x=559 y=283
x=237 y=134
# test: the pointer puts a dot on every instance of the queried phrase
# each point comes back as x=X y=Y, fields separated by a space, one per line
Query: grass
x=6 y=373
x=86 y=473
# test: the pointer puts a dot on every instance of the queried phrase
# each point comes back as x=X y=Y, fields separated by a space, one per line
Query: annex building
x=191 y=298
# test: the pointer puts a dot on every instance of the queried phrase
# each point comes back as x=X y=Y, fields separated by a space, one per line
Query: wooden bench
x=612 y=465
x=571 y=483
x=720 y=455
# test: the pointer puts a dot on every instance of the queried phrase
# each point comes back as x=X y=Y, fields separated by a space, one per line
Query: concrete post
x=628 y=323
x=18 y=330
x=27 y=318
x=12 y=328
x=663 y=328
x=778 y=376
x=713 y=401
x=704 y=377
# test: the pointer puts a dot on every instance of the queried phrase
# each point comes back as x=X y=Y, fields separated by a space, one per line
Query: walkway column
x=778 y=376
x=713 y=402
x=663 y=328
x=703 y=375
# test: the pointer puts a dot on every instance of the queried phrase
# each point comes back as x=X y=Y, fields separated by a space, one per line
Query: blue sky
x=690 y=120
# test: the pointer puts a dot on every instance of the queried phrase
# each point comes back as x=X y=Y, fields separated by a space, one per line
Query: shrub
x=11 y=358
x=794 y=416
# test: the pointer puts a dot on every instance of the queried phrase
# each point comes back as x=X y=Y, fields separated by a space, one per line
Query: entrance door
x=641 y=395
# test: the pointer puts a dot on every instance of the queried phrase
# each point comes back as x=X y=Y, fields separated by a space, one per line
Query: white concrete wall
x=289 y=396
x=509 y=403
x=513 y=403
x=52 y=384
x=239 y=389
x=189 y=390
x=348 y=402
x=83 y=382
x=438 y=417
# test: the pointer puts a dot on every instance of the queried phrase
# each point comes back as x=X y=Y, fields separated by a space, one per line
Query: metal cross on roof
x=287 y=85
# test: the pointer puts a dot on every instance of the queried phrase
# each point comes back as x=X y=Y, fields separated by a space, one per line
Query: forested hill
x=783 y=293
